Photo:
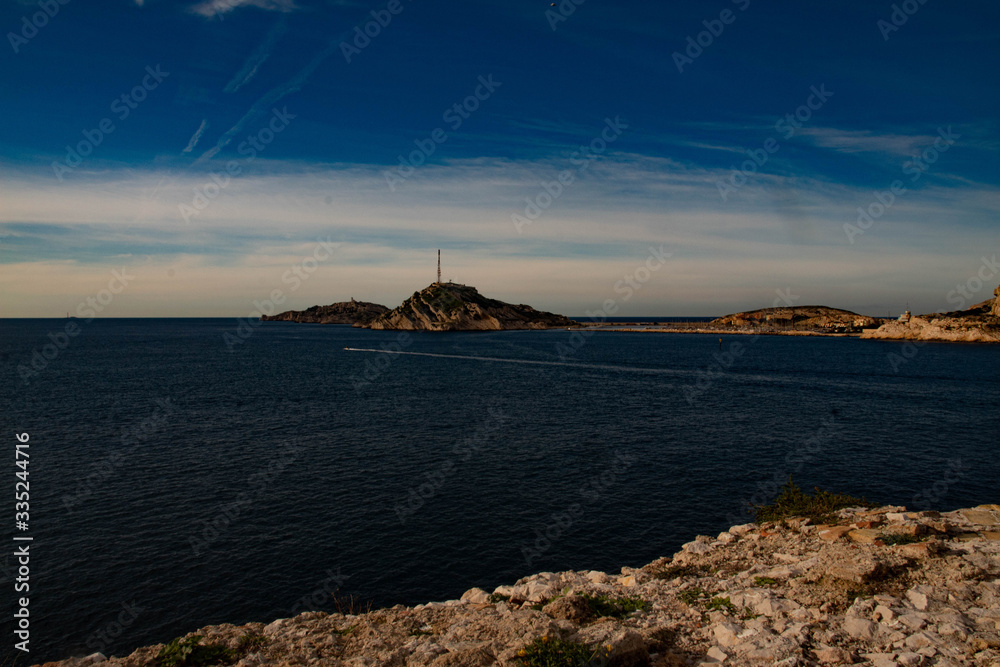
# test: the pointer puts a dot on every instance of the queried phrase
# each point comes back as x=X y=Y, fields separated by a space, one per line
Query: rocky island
x=455 y=307
x=878 y=586
x=800 y=318
x=345 y=312
x=978 y=324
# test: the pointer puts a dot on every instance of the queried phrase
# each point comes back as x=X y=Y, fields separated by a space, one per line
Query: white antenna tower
x=439 y=265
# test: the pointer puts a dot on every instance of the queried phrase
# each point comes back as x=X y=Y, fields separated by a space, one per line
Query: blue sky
x=644 y=129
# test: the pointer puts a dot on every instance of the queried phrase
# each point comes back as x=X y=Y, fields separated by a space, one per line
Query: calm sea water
x=177 y=483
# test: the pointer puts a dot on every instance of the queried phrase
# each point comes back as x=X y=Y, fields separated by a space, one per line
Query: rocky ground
x=874 y=587
x=805 y=318
x=978 y=324
x=455 y=307
x=345 y=312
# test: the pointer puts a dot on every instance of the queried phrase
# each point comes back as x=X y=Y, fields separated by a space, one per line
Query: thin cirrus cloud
x=213 y=8
x=257 y=58
x=598 y=230
x=196 y=136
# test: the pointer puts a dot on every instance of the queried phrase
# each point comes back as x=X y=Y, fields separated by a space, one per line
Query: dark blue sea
x=186 y=472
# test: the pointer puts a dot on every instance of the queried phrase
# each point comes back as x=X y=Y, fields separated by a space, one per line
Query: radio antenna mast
x=439 y=265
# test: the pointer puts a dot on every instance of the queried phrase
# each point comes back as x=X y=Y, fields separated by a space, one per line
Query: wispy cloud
x=257 y=58
x=213 y=8
x=196 y=136
x=866 y=141
x=271 y=97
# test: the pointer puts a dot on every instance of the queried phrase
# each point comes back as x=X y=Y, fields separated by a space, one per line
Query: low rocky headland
x=454 y=307
x=798 y=318
x=344 y=312
x=880 y=587
x=979 y=324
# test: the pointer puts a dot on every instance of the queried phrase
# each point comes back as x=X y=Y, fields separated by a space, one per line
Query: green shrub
x=191 y=653
x=764 y=581
x=720 y=604
x=793 y=501
x=602 y=605
x=556 y=652
x=692 y=595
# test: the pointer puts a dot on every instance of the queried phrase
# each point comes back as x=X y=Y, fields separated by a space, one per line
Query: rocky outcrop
x=801 y=318
x=873 y=587
x=995 y=309
x=979 y=324
x=454 y=307
x=345 y=312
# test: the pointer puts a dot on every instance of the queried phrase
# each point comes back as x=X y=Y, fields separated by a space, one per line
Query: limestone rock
x=454 y=307
x=476 y=596
x=346 y=312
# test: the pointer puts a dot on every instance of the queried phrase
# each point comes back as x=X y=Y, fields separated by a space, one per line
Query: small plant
x=345 y=631
x=720 y=604
x=748 y=615
x=351 y=606
x=419 y=632
x=674 y=571
x=602 y=605
x=556 y=652
x=894 y=539
x=191 y=652
x=793 y=501
x=494 y=598
x=691 y=596
x=764 y=581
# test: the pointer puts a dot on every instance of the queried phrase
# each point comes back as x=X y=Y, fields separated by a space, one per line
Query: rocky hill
x=803 y=318
x=979 y=324
x=879 y=587
x=454 y=307
x=345 y=312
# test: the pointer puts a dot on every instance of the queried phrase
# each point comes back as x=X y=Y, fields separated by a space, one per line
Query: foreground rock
x=454 y=307
x=345 y=312
x=804 y=318
x=979 y=324
x=771 y=594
